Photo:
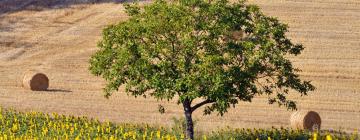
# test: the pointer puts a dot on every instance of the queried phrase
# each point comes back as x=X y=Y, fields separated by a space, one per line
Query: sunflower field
x=37 y=125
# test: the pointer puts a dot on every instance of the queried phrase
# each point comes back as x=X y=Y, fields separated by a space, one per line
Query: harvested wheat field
x=58 y=39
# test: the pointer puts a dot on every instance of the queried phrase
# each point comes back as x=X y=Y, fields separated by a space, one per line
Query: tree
x=213 y=50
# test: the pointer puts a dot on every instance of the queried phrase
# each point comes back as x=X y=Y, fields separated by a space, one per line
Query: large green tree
x=218 y=51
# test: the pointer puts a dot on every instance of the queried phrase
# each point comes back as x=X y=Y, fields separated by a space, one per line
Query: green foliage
x=280 y=134
x=179 y=125
x=161 y=109
x=215 y=50
x=37 y=125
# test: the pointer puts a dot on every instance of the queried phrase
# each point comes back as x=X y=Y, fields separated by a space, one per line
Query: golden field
x=59 y=41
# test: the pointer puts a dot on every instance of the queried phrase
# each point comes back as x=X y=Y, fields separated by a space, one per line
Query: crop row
x=37 y=125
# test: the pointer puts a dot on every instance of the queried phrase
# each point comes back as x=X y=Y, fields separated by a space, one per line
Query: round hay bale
x=309 y=120
x=35 y=81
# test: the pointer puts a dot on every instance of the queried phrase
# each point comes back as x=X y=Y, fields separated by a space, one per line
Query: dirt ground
x=58 y=40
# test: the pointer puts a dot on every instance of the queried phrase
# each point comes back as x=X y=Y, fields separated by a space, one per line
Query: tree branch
x=200 y=104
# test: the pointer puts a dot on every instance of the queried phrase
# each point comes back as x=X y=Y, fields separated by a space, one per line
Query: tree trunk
x=189 y=121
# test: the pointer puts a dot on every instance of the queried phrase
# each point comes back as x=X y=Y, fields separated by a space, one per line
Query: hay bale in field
x=35 y=81
x=309 y=120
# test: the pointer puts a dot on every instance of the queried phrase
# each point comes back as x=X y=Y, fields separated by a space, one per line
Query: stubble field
x=60 y=41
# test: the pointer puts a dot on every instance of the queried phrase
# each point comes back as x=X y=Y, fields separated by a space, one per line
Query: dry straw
x=35 y=81
x=309 y=120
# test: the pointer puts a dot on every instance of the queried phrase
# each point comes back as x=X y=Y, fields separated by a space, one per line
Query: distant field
x=60 y=41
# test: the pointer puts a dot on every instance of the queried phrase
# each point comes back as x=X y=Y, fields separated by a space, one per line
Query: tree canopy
x=219 y=51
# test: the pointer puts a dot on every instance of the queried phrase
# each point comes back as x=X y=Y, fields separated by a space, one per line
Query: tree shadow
x=10 y=6
x=59 y=90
